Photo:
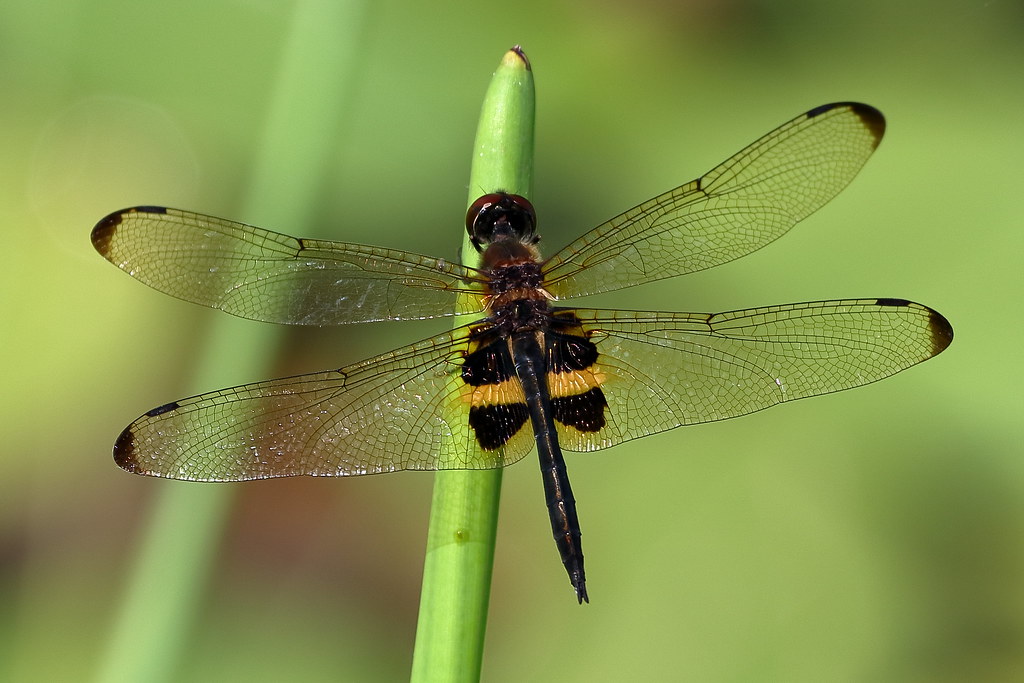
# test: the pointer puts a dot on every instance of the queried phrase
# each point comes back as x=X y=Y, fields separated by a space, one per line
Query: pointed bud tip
x=516 y=57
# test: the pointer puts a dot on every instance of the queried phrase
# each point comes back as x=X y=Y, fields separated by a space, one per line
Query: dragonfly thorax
x=514 y=283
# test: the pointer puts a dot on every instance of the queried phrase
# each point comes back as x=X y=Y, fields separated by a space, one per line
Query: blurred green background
x=873 y=535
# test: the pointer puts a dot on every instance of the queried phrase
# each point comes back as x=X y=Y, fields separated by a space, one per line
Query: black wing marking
x=262 y=275
x=403 y=410
x=663 y=370
x=746 y=202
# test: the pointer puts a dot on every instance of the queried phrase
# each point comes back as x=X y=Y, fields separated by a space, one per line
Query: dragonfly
x=527 y=373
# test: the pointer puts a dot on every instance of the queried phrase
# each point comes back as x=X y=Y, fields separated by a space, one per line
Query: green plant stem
x=169 y=579
x=464 y=513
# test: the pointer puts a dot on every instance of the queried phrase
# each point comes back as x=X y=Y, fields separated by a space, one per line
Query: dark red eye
x=500 y=215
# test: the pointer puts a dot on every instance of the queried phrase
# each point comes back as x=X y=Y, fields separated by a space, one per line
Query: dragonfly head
x=500 y=216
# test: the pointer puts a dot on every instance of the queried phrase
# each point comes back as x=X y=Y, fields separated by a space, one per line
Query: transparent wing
x=262 y=275
x=664 y=370
x=403 y=410
x=746 y=202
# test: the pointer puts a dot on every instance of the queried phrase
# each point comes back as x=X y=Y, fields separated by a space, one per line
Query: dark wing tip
x=124 y=451
x=125 y=448
x=942 y=331
x=939 y=328
x=104 y=231
x=872 y=119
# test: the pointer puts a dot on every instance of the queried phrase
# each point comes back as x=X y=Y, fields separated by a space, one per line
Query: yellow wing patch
x=503 y=393
x=560 y=385
x=574 y=382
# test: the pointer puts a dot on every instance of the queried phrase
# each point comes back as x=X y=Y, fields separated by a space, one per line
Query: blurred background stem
x=182 y=535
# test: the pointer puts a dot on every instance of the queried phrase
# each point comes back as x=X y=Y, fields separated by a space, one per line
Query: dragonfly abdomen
x=528 y=356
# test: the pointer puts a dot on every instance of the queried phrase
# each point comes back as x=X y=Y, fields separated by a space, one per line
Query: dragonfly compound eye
x=499 y=216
